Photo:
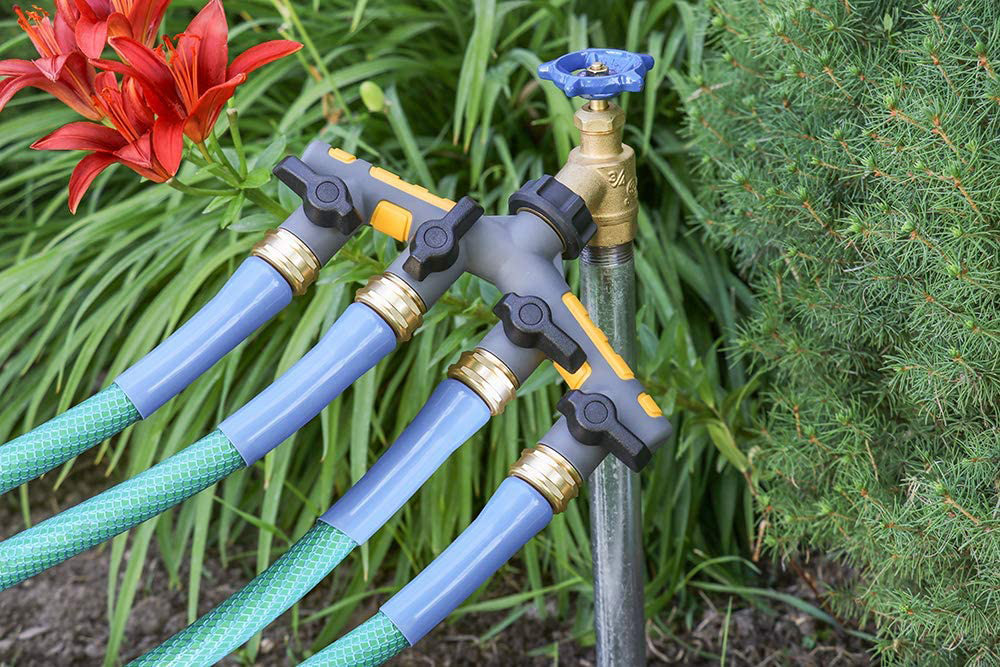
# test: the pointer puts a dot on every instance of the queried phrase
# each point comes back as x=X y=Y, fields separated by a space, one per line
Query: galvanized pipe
x=607 y=283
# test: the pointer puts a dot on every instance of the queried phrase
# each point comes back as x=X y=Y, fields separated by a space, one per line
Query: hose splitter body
x=605 y=412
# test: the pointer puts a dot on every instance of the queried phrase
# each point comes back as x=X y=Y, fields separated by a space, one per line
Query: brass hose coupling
x=290 y=257
x=395 y=302
x=484 y=373
x=550 y=474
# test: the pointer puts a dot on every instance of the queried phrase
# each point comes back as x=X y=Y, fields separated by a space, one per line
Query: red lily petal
x=168 y=142
x=17 y=67
x=139 y=158
x=81 y=136
x=145 y=61
x=136 y=108
x=51 y=68
x=209 y=46
x=150 y=70
x=114 y=66
x=84 y=174
x=62 y=92
x=105 y=80
x=91 y=35
x=12 y=86
x=86 y=9
x=81 y=69
x=68 y=11
x=206 y=112
x=139 y=152
x=66 y=18
x=146 y=16
x=120 y=26
x=146 y=172
x=262 y=54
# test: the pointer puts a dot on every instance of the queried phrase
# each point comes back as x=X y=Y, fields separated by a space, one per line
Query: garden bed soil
x=59 y=618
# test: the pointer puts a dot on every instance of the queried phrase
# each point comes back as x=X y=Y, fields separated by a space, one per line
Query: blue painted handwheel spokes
x=625 y=72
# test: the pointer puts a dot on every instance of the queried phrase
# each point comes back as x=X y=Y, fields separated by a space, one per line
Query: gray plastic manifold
x=607 y=409
x=378 y=197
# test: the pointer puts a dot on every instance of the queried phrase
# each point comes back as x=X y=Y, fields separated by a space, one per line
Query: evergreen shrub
x=848 y=152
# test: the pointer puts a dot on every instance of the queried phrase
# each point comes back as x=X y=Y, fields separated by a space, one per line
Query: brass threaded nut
x=395 y=301
x=599 y=119
x=290 y=257
x=484 y=373
x=550 y=474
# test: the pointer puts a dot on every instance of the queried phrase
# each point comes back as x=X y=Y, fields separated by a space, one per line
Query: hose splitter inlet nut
x=550 y=473
x=484 y=373
x=290 y=257
x=395 y=301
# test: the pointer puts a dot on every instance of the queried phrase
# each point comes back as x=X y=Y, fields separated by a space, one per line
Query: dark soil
x=60 y=617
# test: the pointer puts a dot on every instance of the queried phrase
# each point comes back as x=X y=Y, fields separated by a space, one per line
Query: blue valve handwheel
x=626 y=73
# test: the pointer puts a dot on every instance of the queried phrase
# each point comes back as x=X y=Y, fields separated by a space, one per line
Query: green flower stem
x=194 y=190
x=256 y=195
x=216 y=148
x=262 y=199
x=234 y=132
x=203 y=149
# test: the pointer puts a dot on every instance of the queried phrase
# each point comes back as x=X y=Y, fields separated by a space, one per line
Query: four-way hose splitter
x=606 y=410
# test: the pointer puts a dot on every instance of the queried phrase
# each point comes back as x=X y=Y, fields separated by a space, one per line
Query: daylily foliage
x=166 y=91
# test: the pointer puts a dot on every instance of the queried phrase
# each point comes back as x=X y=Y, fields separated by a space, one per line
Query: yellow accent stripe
x=391 y=219
x=598 y=337
x=420 y=193
x=574 y=380
x=649 y=405
x=342 y=155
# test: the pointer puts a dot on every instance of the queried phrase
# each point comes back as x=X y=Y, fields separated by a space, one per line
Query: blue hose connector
x=252 y=296
x=515 y=514
x=450 y=417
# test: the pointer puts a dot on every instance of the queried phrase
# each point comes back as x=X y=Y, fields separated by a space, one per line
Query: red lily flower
x=62 y=71
x=150 y=147
x=99 y=19
x=187 y=77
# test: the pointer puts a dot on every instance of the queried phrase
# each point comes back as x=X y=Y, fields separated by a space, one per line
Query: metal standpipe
x=602 y=171
x=607 y=285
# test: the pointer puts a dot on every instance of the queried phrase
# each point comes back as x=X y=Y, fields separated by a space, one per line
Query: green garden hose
x=65 y=436
x=117 y=509
x=232 y=623
x=370 y=644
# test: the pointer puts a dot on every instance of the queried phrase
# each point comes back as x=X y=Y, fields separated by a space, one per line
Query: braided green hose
x=370 y=644
x=61 y=438
x=117 y=509
x=232 y=623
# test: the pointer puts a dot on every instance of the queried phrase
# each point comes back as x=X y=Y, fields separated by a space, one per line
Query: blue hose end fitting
x=597 y=74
